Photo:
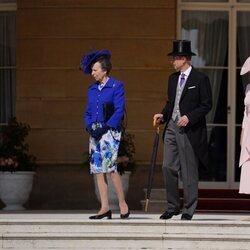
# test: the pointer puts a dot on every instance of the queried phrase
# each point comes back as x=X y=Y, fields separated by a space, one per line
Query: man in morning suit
x=185 y=133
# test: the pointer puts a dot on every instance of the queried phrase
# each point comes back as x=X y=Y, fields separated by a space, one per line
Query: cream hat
x=246 y=67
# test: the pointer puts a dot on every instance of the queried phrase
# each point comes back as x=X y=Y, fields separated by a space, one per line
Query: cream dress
x=245 y=147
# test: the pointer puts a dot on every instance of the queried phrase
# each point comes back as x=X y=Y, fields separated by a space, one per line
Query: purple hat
x=92 y=57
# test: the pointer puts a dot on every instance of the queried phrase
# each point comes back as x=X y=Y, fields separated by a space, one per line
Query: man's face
x=178 y=62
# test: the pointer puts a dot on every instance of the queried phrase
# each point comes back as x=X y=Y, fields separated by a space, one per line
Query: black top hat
x=181 y=48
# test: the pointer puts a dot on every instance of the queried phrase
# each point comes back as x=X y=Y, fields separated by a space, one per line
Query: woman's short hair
x=105 y=63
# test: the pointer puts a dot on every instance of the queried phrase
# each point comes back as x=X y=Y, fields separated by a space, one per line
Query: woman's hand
x=89 y=129
x=99 y=132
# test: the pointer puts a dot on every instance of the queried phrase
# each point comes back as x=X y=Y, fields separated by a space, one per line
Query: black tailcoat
x=195 y=103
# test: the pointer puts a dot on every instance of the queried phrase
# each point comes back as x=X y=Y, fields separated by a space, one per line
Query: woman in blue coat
x=103 y=117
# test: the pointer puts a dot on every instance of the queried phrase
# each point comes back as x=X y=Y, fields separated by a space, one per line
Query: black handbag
x=108 y=110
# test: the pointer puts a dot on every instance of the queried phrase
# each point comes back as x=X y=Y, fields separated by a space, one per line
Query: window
x=7 y=61
x=220 y=37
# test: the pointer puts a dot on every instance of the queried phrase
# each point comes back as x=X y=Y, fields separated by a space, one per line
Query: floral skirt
x=103 y=153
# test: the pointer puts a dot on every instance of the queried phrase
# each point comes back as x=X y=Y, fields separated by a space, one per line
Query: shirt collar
x=108 y=84
x=187 y=71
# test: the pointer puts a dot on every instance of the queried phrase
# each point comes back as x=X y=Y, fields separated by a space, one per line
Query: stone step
x=125 y=241
x=140 y=231
x=215 y=200
x=204 y=204
x=160 y=194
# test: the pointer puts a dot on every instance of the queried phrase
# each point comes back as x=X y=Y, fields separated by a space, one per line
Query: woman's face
x=98 y=73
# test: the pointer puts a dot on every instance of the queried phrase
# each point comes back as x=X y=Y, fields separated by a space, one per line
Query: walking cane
x=152 y=165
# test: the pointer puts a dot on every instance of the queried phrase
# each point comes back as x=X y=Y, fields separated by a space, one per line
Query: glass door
x=220 y=37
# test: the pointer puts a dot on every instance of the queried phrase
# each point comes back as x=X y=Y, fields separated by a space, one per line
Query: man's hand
x=157 y=118
x=183 y=121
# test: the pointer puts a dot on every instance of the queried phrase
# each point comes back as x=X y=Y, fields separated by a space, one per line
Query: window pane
x=243 y=35
x=240 y=95
x=7 y=65
x=7 y=93
x=237 y=154
x=219 y=85
x=7 y=39
x=208 y=31
x=217 y=141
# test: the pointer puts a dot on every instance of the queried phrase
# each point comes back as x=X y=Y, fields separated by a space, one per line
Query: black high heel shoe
x=125 y=216
x=101 y=216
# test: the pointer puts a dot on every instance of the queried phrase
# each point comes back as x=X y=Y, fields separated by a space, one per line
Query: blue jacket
x=112 y=92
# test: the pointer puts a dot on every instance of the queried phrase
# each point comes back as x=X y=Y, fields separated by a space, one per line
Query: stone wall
x=51 y=90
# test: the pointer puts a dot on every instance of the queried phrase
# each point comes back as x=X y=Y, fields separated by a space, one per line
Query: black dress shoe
x=101 y=216
x=125 y=216
x=168 y=215
x=186 y=217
